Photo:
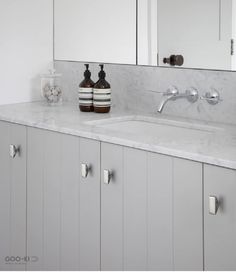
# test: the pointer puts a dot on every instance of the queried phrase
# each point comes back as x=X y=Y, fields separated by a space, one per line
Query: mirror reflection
x=95 y=30
x=187 y=33
x=171 y=33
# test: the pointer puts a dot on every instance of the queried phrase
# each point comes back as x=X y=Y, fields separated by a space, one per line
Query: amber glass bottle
x=102 y=93
x=86 y=92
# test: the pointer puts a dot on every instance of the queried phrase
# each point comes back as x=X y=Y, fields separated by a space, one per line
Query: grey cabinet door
x=63 y=220
x=187 y=215
x=151 y=211
x=12 y=197
x=136 y=207
x=112 y=208
x=89 y=203
x=220 y=229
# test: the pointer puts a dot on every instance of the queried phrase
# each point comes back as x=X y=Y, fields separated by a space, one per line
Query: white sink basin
x=154 y=127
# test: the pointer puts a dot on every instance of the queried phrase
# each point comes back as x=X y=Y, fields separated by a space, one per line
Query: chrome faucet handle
x=173 y=94
x=212 y=97
x=192 y=95
x=170 y=91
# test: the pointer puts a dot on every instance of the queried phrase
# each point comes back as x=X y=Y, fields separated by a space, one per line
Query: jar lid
x=52 y=73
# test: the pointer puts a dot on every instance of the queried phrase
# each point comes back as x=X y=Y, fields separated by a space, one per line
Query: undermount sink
x=150 y=126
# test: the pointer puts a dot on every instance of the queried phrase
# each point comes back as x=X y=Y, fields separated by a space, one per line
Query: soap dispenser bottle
x=102 y=93
x=86 y=92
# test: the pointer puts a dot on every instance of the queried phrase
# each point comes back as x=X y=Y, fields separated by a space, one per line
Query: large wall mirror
x=95 y=30
x=172 y=33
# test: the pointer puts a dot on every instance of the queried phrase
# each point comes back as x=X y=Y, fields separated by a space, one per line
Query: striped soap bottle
x=86 y=92
x=102 y=93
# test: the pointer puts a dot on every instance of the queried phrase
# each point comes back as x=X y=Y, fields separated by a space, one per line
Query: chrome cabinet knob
x=14 y=150
x=107 y=175
x=85 y=168
x=212 y=97
x=213 y=205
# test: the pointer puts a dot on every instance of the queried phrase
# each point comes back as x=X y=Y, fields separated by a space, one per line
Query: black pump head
x=102 y=74
x=87 y=73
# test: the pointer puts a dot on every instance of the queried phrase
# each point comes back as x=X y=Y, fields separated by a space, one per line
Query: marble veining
x=138 y=88
x=217 y=148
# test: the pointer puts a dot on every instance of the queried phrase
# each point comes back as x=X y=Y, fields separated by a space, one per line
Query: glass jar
x=51 y=88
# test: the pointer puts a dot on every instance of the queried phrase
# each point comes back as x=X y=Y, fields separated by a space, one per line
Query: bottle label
x=102 y=98
x=86 y=96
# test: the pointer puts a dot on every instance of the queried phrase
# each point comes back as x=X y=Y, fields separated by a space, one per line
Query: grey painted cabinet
x=125 y=209
x=220 y=227
x=151 y=211
x=63 y=215
x=12 y=197
x=187 y=215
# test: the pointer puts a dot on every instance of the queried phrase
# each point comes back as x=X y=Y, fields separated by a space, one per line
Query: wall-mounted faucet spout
x=163 y=102
x=173 y=93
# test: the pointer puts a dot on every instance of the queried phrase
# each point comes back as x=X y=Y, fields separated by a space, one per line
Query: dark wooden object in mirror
x=174 y=60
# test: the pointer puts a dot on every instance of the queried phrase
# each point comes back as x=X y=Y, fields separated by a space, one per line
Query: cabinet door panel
x=69 y=198
x=12 y=196
x=188 y=221
x=5 y=195
x=51 y=196
x=160 y=214
x=35 y=197
x=220 y=229
x=112 y=208
x=136 y=210
x=56 y=204
x=89 y=203
x=43 y=193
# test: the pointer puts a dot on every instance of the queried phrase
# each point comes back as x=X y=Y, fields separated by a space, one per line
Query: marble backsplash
x=138 y=88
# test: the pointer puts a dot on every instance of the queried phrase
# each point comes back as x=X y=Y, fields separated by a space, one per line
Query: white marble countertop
x=218 y=148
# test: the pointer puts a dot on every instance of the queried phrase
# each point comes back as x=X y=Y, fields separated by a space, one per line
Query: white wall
x=26 y=48
x=234 y=33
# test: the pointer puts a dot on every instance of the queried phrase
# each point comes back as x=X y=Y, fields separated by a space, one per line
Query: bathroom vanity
x=127 y=190
x=115 y=192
